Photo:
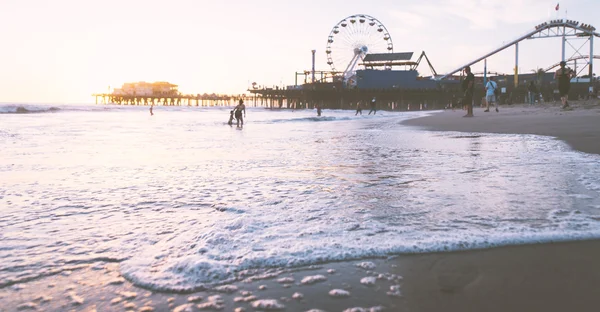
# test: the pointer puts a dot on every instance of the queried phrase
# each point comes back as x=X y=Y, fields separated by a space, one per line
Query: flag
x=557 y=6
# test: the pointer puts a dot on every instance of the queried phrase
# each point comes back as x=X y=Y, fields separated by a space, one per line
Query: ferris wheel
x=351 y=39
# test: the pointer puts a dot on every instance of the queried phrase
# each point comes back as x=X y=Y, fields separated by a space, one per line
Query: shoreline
x=549 y=276
x=579 y=126
x=537 y=277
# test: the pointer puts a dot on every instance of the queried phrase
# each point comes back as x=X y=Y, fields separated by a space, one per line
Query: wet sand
x=579 y=126
x=539 y=277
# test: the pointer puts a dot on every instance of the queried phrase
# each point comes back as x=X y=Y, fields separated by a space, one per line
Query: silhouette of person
x=151 y=113
x=318 y=110
x=238 y=112
x=373 y=107
x=358 y=109
x=230 y=122
x=564 y=75
x=467 y=87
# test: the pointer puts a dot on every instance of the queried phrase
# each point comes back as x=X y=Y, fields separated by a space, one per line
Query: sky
x=62 y=51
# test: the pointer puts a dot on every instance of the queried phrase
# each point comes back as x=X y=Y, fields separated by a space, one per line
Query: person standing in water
x=238 y=112
x=230 y=122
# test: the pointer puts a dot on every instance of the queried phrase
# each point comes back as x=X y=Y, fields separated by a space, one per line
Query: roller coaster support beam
x=591 y=62
x=484 y=71
x=516 y=64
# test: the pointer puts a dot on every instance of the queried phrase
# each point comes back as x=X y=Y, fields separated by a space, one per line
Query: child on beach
x=230 y=122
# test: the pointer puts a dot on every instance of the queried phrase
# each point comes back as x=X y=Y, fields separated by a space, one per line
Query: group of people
x=237 y=114
x=563 y=75
x=373 y=107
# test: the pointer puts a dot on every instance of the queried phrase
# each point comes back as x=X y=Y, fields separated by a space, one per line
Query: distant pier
x=168 y=100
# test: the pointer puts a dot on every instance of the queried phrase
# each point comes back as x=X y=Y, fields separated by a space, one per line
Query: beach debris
x=394 y=291
x=146 y=309
x=285 y=280
x=226 y=289
x=75 y=299
x=267 y=305
x=116 y=300
x=128 y=294
x=195 y=298
x=369 y=280
x=297 y=296
x=307 y=280
x=27 y=306
x=115 y=281
x=188 y=307
x=213 y=303
x=366 y=265
x=338 y=293
x=70 y=287
x=262 y=287
x=331 y=271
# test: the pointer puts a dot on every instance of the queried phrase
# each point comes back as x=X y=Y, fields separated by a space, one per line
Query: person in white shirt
x=490 y=97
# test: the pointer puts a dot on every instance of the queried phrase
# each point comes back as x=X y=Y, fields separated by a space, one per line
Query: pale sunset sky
x=62 y=51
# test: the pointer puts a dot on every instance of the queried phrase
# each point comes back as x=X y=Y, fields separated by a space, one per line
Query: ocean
x=181 y=200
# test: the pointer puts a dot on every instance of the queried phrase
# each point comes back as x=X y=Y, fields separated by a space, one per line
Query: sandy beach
x=561 y=276
x=579 y=126
x=544 y=277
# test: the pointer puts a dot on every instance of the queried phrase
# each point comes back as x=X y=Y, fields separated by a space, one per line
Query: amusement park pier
x=364 y=66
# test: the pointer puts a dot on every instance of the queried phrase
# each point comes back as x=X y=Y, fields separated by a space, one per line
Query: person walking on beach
x=358 y=109
x=532 y=89
x=490 y=95
x=564 y=75
x=318 y=110
x=373 y=107
x=238 y=112
x=151 y=113
x=467 y=87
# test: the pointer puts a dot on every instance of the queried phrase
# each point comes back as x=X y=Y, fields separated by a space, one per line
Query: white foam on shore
x=183 y=203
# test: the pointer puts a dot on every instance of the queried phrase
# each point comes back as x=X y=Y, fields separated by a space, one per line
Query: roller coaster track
x=578 y=57
x=553 y=28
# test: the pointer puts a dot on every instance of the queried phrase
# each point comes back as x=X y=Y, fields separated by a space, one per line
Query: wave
x=40 y=108
x=307 y=119
x=23 y=109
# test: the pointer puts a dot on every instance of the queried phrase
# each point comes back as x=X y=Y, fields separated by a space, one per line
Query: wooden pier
x=169 y=100
x=329 y=96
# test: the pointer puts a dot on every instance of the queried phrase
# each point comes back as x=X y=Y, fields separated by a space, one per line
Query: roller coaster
x=562 y=28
